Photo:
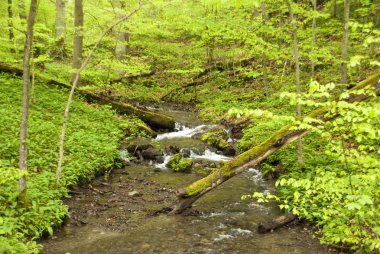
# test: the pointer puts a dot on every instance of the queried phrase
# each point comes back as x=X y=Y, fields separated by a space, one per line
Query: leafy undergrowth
x=338 y=189
x=93 y=134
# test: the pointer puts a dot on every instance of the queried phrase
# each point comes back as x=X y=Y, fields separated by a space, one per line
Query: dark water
x=225 y=224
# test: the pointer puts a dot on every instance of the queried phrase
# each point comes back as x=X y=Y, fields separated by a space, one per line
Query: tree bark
x=75 y=82
x=276 y=223
x=257 y=154
x=120 y=34
x=10 y=25
x=264 y=61
x=314 y=41
x=60 y=26
x=298 y=85
x=23 y=153
x=78 y=38
x=21 y=11
x=155 y=120
x=346 y=32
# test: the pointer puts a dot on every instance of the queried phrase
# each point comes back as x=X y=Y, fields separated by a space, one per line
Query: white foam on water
x=222 y=237
x=124 y=155
x=216 y=214
x=256 y=175
x=182 y=132
x=240 y=231
x=209 y=155
x=163 y=165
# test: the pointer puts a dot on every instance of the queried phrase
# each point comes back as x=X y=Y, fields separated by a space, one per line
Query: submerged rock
x=136 y=144
x=152 y=153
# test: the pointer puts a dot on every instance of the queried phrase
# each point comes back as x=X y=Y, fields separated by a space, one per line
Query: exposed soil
x=118 y=202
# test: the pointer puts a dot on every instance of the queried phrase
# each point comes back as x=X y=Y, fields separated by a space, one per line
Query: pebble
x=134 y=193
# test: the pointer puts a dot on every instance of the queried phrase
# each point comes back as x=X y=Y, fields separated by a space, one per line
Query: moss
x=227 y=169
x=217 y=139
x=179 y=164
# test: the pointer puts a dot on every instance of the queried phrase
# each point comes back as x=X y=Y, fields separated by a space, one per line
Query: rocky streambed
x=117 y=213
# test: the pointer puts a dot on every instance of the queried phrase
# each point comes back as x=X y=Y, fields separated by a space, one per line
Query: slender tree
x=75 y=82
x=264 y=61
x=298 y=85
x=10 y=25
x=78 y=38
x=345 y=41
x=314 y=39
x=25 y=98
x=60 y=26
x=120 y=34
x=21 y=10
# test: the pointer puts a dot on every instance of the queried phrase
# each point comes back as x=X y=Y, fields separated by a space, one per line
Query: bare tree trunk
x=298 y=85
x=78 y=38
x=60 y=26
x=75 y=82
x=345 y=42
x=21 y=11
x=120 y=34
x=22 y=163
x=10 y=25
x=257 y=154
x=314 y=41
x=335 y=11
x=265 y=62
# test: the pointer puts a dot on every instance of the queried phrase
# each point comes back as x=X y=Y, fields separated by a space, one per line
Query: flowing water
x=223 y=223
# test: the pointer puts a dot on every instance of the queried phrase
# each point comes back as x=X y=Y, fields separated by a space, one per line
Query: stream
x=116 y=214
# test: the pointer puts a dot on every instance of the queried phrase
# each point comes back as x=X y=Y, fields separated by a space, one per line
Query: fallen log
x=257 y=154
x=155 y=120
x=276 y=223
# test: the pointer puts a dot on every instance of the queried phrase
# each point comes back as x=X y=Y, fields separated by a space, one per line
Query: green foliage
x=338 y=190
x=92 y=141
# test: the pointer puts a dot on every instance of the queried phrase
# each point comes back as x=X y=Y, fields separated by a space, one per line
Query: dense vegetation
x=226 y=57
x=93 y=137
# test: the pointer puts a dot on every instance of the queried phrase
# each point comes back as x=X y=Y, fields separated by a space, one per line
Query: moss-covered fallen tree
x=257 y=154
x=155 y=120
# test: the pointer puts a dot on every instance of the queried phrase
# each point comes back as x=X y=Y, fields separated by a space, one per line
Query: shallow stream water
x=222 y=222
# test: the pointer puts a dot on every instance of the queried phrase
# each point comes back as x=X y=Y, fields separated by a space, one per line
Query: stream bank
x=116 y=214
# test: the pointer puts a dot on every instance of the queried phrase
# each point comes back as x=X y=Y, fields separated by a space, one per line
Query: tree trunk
x=22 y=163
x=155 y=120
x=78 y=38
x=60 y=26
x=264 y=61
x=255 y=155
x=10 y=25
x=75 y=82
x=314 y=41
x=335 y=10
x=21 y=11
x=276 y=223
x=345 y=42
x=120 y=34
x=298 y=85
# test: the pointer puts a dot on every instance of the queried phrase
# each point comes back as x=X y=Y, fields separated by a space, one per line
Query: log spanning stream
x=116 y=214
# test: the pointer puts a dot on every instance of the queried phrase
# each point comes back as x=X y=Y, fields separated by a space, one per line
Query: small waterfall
x=183 y=131
x=124 y=155
x=209 y=155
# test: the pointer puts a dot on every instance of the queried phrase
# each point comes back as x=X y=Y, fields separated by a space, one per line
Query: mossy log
x=155 y=120
x=276 y=223
x=257 y=154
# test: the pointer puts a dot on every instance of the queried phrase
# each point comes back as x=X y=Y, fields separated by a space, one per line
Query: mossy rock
x=132 y=145
x=218 y=139
x=179 y=164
